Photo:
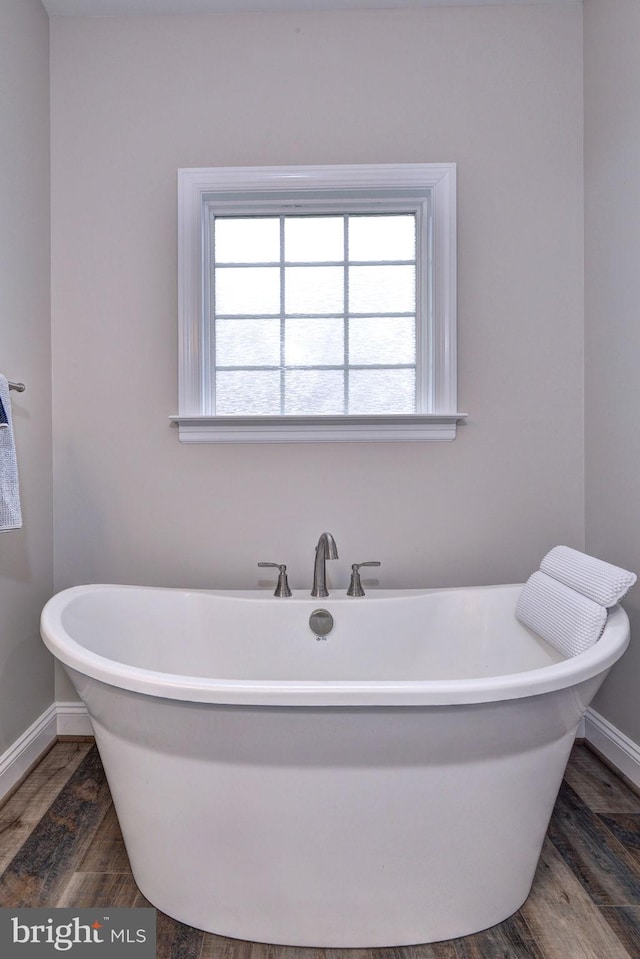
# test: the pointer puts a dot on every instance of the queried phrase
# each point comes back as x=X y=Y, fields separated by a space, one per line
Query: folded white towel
x=602 y=582
x=571 y=622
x=10 y=510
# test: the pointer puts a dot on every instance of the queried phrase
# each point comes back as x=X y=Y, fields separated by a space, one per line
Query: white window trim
x=438 y=422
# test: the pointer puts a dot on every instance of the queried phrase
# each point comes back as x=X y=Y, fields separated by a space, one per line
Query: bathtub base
x=335 y=828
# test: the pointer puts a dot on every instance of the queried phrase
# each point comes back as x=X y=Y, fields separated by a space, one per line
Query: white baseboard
x=623 y=753
x=27 y=749
x=73 y=720
x=60 y=719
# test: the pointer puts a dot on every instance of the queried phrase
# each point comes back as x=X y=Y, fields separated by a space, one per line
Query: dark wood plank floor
x=60 y=845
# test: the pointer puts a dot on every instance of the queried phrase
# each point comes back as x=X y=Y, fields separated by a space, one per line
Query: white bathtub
x=389 y=784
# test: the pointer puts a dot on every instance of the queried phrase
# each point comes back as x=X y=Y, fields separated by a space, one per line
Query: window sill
x=317 y=429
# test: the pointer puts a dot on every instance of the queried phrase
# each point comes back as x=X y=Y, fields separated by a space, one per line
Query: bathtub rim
x=195 y=689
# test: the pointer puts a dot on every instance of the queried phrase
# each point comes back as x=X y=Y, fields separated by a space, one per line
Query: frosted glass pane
x=255 y=289
x=248 y=342
x=313 y=238
x=314 y=342
x=382 y=340
x=382 y=391
x=382 y=289
x=250 y=393
x=391 y=237
x=314 y=289
x=313 y=391
x=247 y=240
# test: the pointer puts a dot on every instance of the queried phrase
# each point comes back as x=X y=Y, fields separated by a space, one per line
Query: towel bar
x=20 y=387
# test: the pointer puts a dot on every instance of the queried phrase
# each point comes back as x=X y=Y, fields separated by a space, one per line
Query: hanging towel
x=10 y=511
x=602 y=582
x=571 y=622
x=4 y=419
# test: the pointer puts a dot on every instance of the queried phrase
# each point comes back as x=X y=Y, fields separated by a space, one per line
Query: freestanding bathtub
x=388 y=783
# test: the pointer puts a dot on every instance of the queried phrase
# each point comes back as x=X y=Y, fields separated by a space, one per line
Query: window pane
x=382 y=289
x=248 y=342
x=313 y=238
x=252 y=290
x=382 y=340
x=247 y=240
x=314 y=289
x=250 y=392
x=314 y=342
x=391 y=237
x=382 y=391
x=313 y=391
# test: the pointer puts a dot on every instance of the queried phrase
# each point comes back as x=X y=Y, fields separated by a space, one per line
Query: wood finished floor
x=60 y=845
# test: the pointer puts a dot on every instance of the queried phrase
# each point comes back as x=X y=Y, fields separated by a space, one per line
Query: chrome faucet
x=326 y=549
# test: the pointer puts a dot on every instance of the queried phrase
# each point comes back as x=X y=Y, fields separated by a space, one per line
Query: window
x=312 y=314
x=317 y=303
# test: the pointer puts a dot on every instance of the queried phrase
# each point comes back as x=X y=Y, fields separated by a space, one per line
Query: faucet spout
x=326 y=549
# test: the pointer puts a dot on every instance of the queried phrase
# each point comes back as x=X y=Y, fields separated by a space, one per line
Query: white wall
x=26 y=555
x=498 y=89
x=612 y=295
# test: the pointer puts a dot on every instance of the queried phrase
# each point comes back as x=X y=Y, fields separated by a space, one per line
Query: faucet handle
x=355 y=586
x=282 y=589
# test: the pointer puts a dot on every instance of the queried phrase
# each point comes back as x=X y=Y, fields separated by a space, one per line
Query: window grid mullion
x=282 y=318
x=319 y=366
x=241 y=265
x=240 y=317
x=345 y=382
x=208 y=386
